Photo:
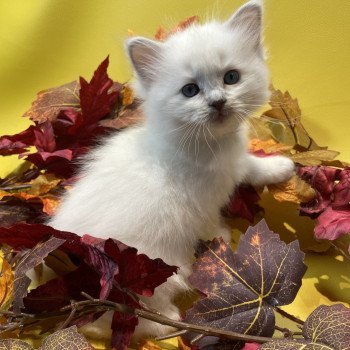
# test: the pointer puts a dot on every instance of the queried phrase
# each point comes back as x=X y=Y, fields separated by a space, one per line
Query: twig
x=15 y=187
x=149 y=315
x=289 y=316
x=172 y=335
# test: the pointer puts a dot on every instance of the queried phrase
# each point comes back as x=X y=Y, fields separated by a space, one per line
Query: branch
x=156 y=317
x=289 y=316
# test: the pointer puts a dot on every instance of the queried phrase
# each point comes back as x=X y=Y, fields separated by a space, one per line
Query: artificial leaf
x=331 y=224
x=295 y=190
x=66 y=339
x=162 y=34
x=269 y=146
x=328 y=327
x=14 y=344
x=341 y=190
x=242 y=288
x=50 y=102
x=16 y=144
x=43 y=184
x=315 y=157
x=6 y=283
x=128 y=96
x=286 y=125
x=244 y=203
x=27 y=262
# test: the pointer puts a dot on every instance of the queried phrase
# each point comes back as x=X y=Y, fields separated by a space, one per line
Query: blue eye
x=190 y=90
x=231 y=77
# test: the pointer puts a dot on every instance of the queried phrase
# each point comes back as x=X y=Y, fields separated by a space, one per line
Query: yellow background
x=45 y=43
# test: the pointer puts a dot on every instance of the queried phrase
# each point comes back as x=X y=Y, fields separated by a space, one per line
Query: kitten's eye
x=190 y=90
x=231 y=77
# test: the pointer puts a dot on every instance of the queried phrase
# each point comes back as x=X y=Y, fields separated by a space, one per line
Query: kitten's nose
x=218 y=104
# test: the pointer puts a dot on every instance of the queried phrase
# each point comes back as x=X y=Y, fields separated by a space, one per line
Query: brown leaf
x=14 y=344
x=285 y=122
x=28 y=261
x=127 y=96
x=295 y=190
x=49 y=102
x=125 y=117
x=6 y=284
x=66 y=339
x=315 y=157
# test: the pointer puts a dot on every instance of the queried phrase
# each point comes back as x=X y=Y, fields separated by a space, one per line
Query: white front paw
x=281 y=168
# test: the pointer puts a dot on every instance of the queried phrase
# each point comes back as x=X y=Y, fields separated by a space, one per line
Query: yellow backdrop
x=45 y=43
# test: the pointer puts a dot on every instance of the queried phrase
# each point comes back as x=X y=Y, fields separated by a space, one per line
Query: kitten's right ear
x=144 y=55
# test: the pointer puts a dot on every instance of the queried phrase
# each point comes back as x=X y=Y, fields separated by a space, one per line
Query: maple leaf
x=27 y=262
x=328 y=327
x=242 y=288
x=243 y=203
x=269 y=146
x=104 y=268
x=50 y=102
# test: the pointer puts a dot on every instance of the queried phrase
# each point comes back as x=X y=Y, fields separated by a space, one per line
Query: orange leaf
x=295 y=190
x=268 y=146
x=6 y=284
x=162 y=34
x=147 y=344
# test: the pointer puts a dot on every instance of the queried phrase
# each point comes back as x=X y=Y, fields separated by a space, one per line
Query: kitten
x=159 y=187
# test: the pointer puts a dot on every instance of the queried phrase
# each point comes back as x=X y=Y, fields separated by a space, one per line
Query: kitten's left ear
x=248 y=20
x=144 y=55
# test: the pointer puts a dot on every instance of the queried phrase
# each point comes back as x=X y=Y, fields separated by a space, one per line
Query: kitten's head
x=213 y=74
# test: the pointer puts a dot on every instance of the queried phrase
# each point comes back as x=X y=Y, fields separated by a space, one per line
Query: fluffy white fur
x=159 y=187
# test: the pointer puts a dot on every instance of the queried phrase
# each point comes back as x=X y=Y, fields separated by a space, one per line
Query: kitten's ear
x=144 y=55
x=248 y=20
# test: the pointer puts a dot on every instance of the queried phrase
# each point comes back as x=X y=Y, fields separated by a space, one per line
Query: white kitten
x=159 y=187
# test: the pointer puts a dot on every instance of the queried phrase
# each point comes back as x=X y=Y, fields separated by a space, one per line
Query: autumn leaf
x=27 y=262
x=6 y=284
x=66 y=339
x=328 y=327
x=294 y=190
x=163 y=34
x=242 y=288
x=50 y=102
x=244 y=203
x=16 y=144
x=268 y=146
x=315 y=157
x=14 y=344
x=286 y=123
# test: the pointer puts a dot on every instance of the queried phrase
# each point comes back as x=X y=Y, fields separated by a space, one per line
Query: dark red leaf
x=16 y=144
x=240 y=289
x=244 y=203
x=123 y=327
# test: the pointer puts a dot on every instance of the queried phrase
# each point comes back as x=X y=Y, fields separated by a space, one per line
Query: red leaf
x=333 y=223
x=123 y=327
x=17 y=143
x=244 y=203
x=342 y=189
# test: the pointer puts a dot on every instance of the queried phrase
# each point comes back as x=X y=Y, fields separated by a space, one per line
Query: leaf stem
x=289 y=316
x=15 y=187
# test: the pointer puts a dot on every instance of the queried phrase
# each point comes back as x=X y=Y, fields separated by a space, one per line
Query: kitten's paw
x=281 y=168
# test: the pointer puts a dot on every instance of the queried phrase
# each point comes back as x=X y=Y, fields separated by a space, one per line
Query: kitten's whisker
x=205 y=138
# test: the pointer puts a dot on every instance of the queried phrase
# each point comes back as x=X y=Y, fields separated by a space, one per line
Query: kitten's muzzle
x=218 y=104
